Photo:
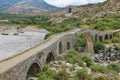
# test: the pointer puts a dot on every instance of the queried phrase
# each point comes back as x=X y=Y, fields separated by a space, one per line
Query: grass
x=99 y=68
x=82 y=74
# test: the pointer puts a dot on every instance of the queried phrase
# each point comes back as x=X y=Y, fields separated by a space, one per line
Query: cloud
x=63 y=3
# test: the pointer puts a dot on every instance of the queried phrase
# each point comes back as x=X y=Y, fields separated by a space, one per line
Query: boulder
x=78 y=67
x=68 y=65
x=53 y=69
x=89 y=70
x=33 y=78
x=56 y=62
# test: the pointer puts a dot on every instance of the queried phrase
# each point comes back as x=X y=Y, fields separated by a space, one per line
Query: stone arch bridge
x=30 y=62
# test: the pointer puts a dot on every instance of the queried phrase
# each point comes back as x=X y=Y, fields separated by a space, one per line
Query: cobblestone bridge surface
x=31 y=61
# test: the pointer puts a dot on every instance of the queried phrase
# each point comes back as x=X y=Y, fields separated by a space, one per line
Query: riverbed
x=15 y=42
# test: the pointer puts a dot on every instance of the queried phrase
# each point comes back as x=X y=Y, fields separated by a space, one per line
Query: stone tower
x=69 y=10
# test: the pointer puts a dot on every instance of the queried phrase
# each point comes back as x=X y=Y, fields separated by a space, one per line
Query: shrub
x=80 y=63
x=117 y=35
x=60 y=58
x=4 y=33
x=99 y=68
x=80 y=42
x=62 y=75
x=115 y=40
x=42 y=76
x=72 y=57
x=98 y=46
x=106 y=41
x=86 y=58
x=100 y=78
x=114 y=67
x=48 y=35
x=81 y=75
x=45 y=68
x=15 y=34
x=46 y=74
x=72 y=68
x=117 y=48
x=40 y=54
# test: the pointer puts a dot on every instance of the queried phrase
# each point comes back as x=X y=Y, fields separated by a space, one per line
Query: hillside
x=25 y=6
x=94 y=16
x=92 y=10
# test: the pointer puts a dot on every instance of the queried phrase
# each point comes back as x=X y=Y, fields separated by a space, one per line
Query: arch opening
x=60 y=48
x=100 y=38
x=33 y=70
x=95 y=37
x=110 y=36
x=68 y=45
x=106 y=36
x=50 y=57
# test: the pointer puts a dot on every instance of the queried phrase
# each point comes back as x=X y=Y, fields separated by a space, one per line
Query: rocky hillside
x=100 y=9
x=25 y=6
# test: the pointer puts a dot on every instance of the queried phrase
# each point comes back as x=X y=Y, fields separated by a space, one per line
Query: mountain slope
x=90 y=10
x=5 y=4
x=25 y=6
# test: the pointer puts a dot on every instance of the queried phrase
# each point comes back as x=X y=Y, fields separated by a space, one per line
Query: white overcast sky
x=63 y=3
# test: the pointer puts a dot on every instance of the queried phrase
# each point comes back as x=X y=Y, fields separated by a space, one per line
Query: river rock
x=78 y=67
x=68 y=65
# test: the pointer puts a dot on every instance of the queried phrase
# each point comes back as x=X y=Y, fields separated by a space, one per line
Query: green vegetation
x=62 y=75
x=98 y=46
x=110 y=22
x=40 y=54
x=48 y=35
x=117 y=47
x=115 y=40
x=111 y=68
x=99 y=68
x=101 y=78
x=82 y=75
x=4 y=33
x=81 y=41
x=46 y=74
x=74 y=57
x=114 y=67
x=87 y=59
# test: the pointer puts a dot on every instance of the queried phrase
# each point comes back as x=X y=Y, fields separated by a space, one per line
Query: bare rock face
x=93 y=10
x=26 y=6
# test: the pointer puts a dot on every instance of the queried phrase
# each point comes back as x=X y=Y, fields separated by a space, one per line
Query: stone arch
x=106 y=36
x=90 y=47
x=100 y=38
x=60 y=48
x=33 y=69
x=50 y=57
x=68 y=45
